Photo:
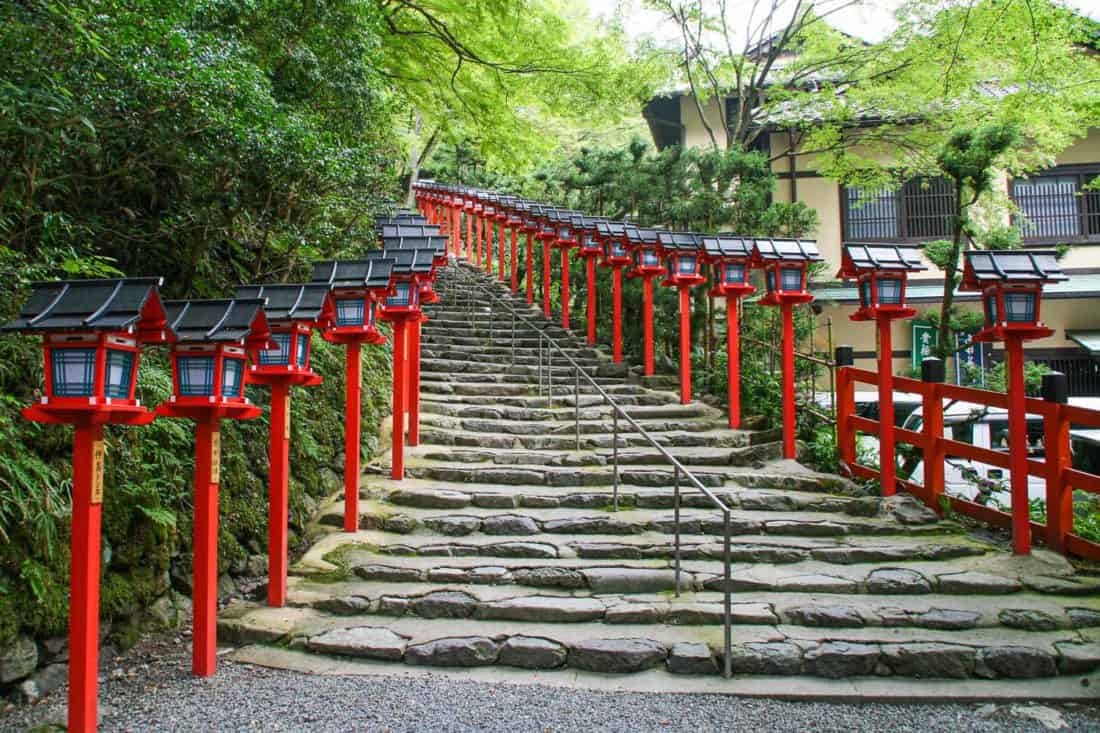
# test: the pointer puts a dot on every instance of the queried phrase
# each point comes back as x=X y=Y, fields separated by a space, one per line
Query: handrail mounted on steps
x=548 y=345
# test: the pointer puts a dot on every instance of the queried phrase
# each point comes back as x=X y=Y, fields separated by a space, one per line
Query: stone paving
x=502 y=547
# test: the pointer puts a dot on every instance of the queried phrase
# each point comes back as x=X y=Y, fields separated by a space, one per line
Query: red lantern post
x=293 y=312
x=785 y=263
x=612 y=238
x=548 y=232
x=1011 y=284
x=730 y=257
x=515 y=223
x=880 y=272
x=683 y=261
x=212 y=339
x=645 y=254
x=588 y=248
x=531 y=229
x=564 y=240
x=357 y=287
x=490 y=221
x=92 y=331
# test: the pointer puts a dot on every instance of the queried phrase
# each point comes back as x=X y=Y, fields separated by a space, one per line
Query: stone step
x=759 y=650
x=443 y=376
x=689 y=457
x=641 y=475
x=475 y=362
x=902 y=509
x=401 y=512
x=676 y=432
x=777 y=549
x=561 y=438
x=534 y=410
x=615 y=595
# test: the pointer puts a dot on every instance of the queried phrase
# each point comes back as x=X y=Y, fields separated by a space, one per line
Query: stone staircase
x=502 y=546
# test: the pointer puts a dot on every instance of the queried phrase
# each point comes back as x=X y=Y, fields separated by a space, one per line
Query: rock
x=1027 y=619
x=606 y=550
x=400 y=523
x=257 y=565
x=816 y=584
x=906 y=509
x=344 y=605
x=43 y=682
x=510 y=524
x=549 y=577
x=540 y=502
x=632 y=580
x=54 y=649
x=459 y=651
x=897 y=581
x=837 y=659
x=802 y=528
x=1078 y=658
x=387 y=573
x=494 y=501
x=1047 y=717
x=854 y=555
x=242 y=631
x=766 y=658
x=1016 y=662
x=930 y=659
x=456 y=526
x=633 y=613
x=532 y=652
x=1083 y=618
x=706 y=614
x=585 y=501
x=947 y=619
x=393 y=605
x=444 y=604
x=688 y=657
x=520 y=549
x=1062 y=586
x=170 y=611
x=542 y=609
x=429 y=499
x=448 y=575
x=18 y=660
x=587 y=525
x=360 y=641
x=972 y=583
x=829 y=616
x=227 y=587
x=489 y=575
x=616 y=655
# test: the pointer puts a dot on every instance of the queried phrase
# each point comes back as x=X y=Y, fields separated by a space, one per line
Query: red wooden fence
x=1055 y=468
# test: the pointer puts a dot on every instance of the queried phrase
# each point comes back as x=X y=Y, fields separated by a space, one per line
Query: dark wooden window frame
x=911 y=209
x=1084 y=173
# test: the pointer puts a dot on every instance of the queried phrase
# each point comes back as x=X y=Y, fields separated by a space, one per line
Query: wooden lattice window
x=1055 y=206
x=918 y=210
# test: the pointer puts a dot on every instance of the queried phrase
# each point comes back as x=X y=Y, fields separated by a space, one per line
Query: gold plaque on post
x=215 y=457
x=286 y=418
x=98 y=453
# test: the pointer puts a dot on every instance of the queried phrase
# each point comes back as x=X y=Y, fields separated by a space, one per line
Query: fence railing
x=548 y=347
x=1054 y=468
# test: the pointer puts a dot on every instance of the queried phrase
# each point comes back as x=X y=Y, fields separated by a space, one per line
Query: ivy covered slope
x=211 y=143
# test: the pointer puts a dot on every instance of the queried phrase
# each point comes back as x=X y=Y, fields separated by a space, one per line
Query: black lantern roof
x=371 y=273
x=683 y=241
x=96 y=305
x=390 y=231
x=983 y=267
x=610 y=229
x=726 y=245
x=791 y=250
x=304 y=302
x=406 y=261
x=225 y=320
x=438 y=244
x=859 y=256
x=638 y=236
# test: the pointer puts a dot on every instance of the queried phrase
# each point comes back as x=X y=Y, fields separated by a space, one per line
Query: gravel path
x=151 y=690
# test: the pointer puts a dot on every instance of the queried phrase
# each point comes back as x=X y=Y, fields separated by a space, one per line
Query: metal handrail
x=617 y=411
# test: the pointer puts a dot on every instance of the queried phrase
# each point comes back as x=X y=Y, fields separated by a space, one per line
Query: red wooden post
x=617 y=314
x=84 y=559
x=489 y=231
x=590 y=265
x=204 y=641
x=530 y=270
x=457 y=230
x=647 y=324
x=886 y=459
x=845 y=410
x=935 y=455
x=1058 y=459
x=789 y=419
x=352 y=420
x=685 y=346
x=1017 y=445
x=413 y=396
x=565 y=289
x=277 y=509
x=502 y=235
x=733 y=361
x=514 y=264
x=545 y=278
x=469 y=236
x=397 y=465
x=480 y=238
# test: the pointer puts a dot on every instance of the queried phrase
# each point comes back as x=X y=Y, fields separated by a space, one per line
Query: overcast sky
x=870 y=20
